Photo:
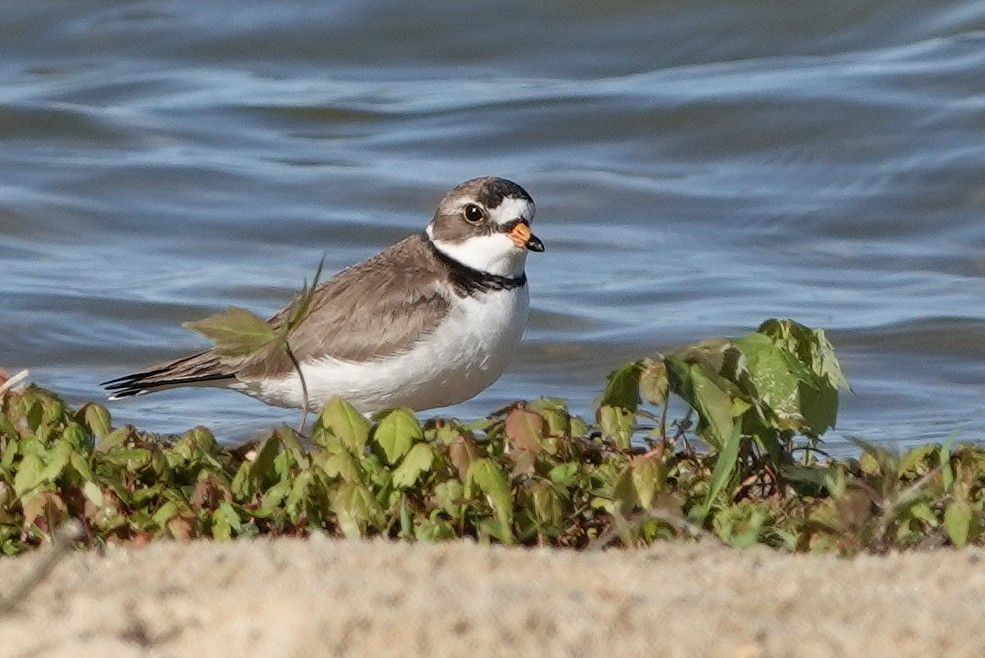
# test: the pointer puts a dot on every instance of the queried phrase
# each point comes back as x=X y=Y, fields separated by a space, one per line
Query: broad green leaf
x=164 y=514
x=236 y=333
x=418 y=461
x=347 y=424
x=774 y=372
x=354 y=508
x=30 y=473
x=623 y=493
x=564 y=474
x=958 y=517
x=115 y=438
x=57 y=459
x=622 y=388
x=617 y=424
x=714 y=407
x=547 y=505
x=343 y=465
x=295 y=501
x=396 y=433
x=262 y=469
x=289 y=439
x=819 y=407
x=275 y=495
x=225 y=521
x=486 y=476
x=96 y=417
x=827 y=363
x=645 y=474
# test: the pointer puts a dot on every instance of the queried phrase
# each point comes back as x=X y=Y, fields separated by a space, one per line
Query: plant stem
x=304 y=387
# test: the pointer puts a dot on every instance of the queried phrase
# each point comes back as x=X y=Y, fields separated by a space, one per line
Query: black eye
x=473 y=214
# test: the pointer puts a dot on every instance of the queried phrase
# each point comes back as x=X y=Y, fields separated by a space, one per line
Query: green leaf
x=433 y=531
x=958 y=517
x=115 y=438
x=347 y=424
x=653 y=381
x=30 y=473
x=623 y=493
x=617 y=424
x=225 y=521
x=344 y=465
x=546 y=504
x=622 y=388
x=564 y=474
x=714 y=407
x=96 y=418
x=724 y=467
x=645 y=473
x=300 y=307
x=354 y=508
x=448 y=496
x=236 y=333
x=275 y=495
x=396 y=433
x=775 y=373
x=165 y=513
x=418 y=461
x=489 y=478
x=57 y=459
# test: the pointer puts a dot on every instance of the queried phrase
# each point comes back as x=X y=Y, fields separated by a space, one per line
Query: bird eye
x=473 y=214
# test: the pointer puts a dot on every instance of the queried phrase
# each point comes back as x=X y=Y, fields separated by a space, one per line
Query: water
x=698 y=167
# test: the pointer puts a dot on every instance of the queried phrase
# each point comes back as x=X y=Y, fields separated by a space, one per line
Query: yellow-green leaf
x=396 y=433
x=347 y=424
x=236 y=332
x=418 y=461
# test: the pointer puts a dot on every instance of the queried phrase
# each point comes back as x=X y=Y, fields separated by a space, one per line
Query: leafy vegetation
x=742 y=465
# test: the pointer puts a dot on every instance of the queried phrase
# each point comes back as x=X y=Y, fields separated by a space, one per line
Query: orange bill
x=524 y=239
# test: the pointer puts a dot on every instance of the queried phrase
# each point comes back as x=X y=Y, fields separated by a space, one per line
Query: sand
x=324 y=597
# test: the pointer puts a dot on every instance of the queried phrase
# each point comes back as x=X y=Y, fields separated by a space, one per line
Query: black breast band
x=469 y=281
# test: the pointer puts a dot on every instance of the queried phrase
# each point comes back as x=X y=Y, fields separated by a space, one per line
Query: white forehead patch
x=511 y=209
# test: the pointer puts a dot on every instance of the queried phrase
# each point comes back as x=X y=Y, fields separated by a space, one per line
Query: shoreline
x=284 y=597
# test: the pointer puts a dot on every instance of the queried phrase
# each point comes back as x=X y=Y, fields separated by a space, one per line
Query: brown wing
x=374 y=308
x=377 y=307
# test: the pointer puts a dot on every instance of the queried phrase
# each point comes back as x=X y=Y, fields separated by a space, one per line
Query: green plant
x=532 y=473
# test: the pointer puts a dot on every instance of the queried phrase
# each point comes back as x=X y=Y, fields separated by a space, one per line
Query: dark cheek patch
x=452 y=228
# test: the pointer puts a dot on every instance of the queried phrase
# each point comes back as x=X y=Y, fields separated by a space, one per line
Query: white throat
x=492 y=254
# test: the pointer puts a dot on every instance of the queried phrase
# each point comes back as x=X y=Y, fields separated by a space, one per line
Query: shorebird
x=429 y=322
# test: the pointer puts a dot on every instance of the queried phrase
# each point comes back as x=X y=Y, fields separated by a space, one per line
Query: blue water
x=698 y=167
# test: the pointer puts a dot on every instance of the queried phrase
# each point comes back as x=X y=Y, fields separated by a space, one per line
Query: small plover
x=429 y=322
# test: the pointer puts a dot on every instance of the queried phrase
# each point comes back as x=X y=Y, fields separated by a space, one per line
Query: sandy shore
x=332 y=598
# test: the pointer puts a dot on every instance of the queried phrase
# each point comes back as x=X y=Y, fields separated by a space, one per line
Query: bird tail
x=199 y=369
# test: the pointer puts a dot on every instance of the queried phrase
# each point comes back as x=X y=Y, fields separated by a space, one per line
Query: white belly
x=464 y=355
